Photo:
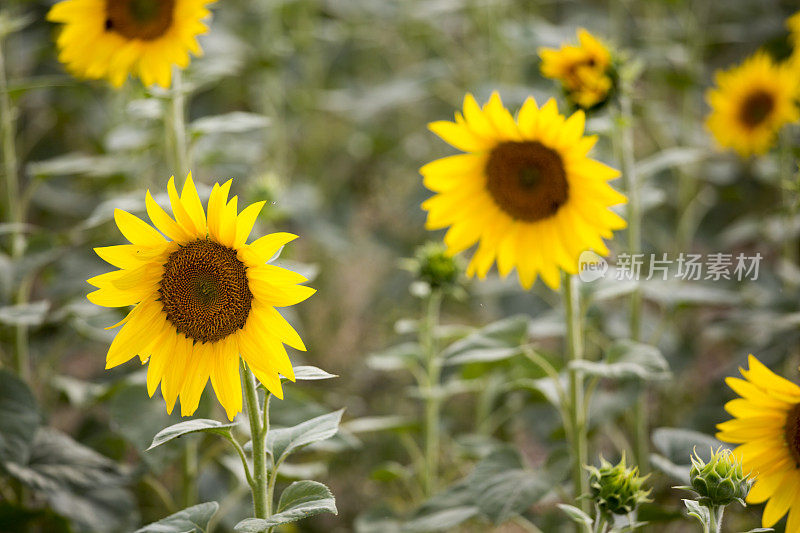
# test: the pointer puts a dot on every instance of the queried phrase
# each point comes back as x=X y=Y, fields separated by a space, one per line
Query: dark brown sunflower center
x=792 y=433
x=139 y=19
x=204 y=291
x=756 y=108
x=527 y=180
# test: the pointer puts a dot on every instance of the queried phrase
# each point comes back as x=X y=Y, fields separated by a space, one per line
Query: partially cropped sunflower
x=583 y=70
x=767 y=429
x=525 y=190
x=751 y=103
x=114 y=38
x=203 y=297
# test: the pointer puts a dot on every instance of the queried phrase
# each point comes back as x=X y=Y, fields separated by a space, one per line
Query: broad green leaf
x=498 y=488
x=310 y=373
x=668 y=158
x=283 y=441
x=77 y=482
x=300 y=500
x=30 y=314
x=191 y=426
x=576 y=515
x=190 y=520
x=235 y=122
x=676 y=445
x=377 y=520
x=399 y=357
x=440 y=520
x=369 y=424
x=627 y=359
x=496 y=341
x=19 y=419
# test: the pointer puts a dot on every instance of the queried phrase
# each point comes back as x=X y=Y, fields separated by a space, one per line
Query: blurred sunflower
x=767 y=428
x=793 y=23
x=751 y=103
x=584 y=70
x=525 y=190
x=114 y=38
x=203 y=297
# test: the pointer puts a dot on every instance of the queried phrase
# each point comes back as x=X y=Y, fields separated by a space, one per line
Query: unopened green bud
x=721 y=480
x=616 y=488
x=435 y=267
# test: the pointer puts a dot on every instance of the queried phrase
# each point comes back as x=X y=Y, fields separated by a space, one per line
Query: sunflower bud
x=721 y=480
x=434 y=267
x=616 y=488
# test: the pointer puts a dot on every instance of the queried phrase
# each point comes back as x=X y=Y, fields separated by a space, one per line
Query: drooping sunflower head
x=524 y=191
x=110 y=39
x=766 y=427
x=203 y=297
x=751 y=103
x=584 y=71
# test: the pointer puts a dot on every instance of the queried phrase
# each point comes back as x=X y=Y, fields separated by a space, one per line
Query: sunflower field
x=305 y=266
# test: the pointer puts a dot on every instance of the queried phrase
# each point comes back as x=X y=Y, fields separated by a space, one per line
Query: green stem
x=176 y=131
x=190 y=473
x=574 y=345
x=14 y=205
x=641 y=434
x=716 y=512
x=261 y=505
x=432 y=397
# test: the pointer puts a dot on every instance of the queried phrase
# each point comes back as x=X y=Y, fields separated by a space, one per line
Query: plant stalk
x=261 y=504
x=577 y=420
x=15 y=213
x=176 y=130
x=626 y=146
x=432 y=399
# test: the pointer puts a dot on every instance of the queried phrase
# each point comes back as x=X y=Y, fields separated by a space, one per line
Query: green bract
x=616 y=488
x=721 y=480
x=435 y=267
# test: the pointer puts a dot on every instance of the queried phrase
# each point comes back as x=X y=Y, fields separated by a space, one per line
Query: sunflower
x=751 y=103
x=114 y=38
x=767 y=429
x=525 y=190
x=202 y=298
x=584 y=70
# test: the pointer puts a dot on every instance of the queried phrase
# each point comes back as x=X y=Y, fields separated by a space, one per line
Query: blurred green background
x=321 y=107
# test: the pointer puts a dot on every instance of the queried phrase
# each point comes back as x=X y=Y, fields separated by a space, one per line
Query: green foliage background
x=320 y=107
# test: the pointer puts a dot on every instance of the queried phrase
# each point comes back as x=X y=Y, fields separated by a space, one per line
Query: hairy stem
x=432 y=399
x=261 y=504
x=574 y=349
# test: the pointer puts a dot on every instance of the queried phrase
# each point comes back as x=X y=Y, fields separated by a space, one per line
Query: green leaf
x=19 y=418
x=676 y=445
x=311 y=373
x=400 y=357
x=628 y=359
x=30 y=314
x=698 y=511
x=77 y=482
x=668 y=158
x=499 y=488
x=191 y=426
x=494 y=342
x=442 y=520
x=190 y=520
x=369 y=424
x=300 y=500
x=283 y=441
x=235 y=122
x=576 y=515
